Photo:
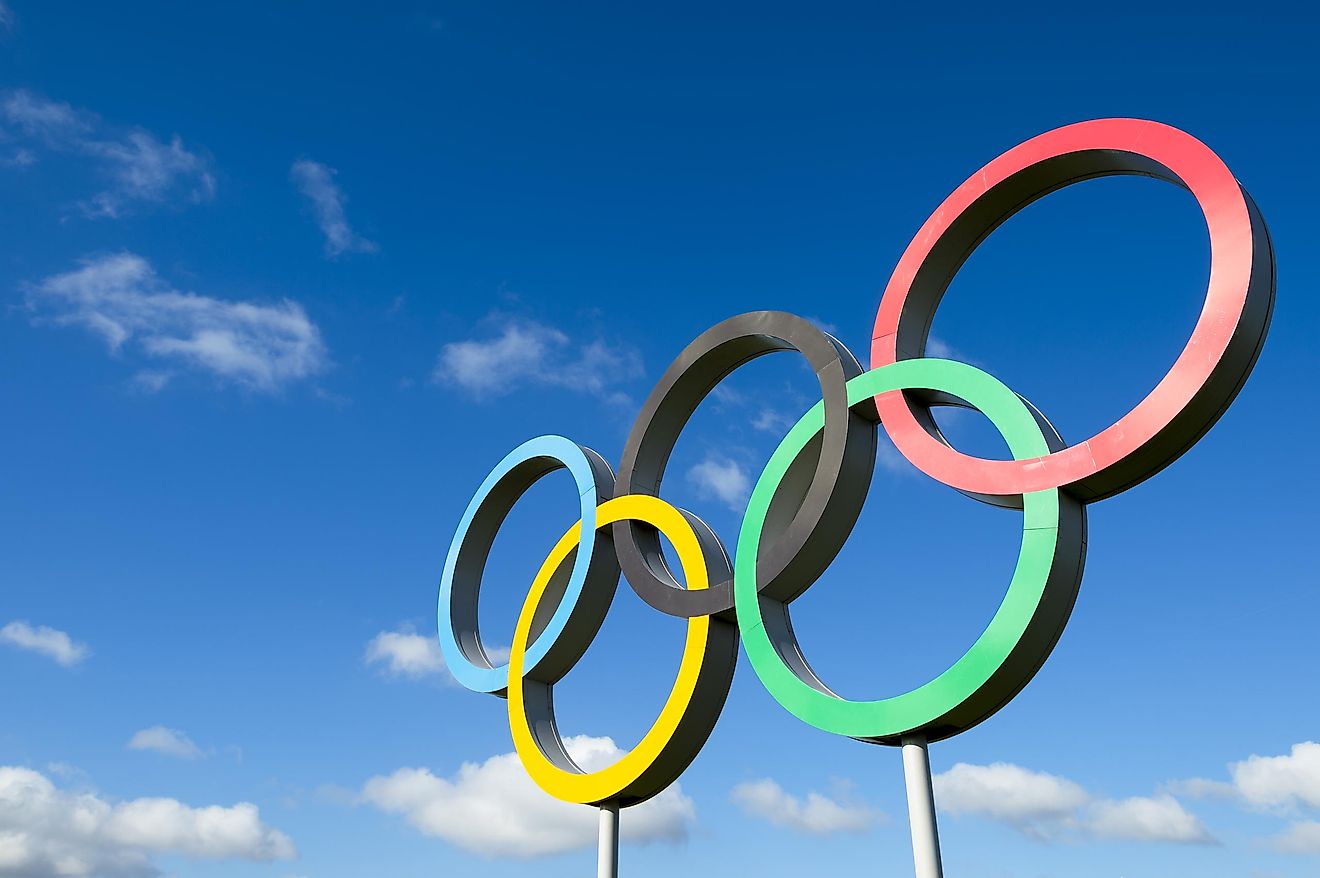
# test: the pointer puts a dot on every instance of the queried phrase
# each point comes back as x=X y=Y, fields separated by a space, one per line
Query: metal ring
x=1013 y=646
x=810 y=494
x=1189 y=399
x=581 y=600
x=821 y=498
x=689 y=714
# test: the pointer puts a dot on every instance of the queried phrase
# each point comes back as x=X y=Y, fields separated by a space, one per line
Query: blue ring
x=495 y=679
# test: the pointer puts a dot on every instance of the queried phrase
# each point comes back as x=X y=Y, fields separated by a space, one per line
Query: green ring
x=1010 y=650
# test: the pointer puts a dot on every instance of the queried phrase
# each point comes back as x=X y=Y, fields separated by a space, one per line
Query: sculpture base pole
x=921 y=808
x=607 y=860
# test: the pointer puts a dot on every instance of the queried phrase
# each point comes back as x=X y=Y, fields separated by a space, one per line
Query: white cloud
x=6 y=17
x=1044 y=806
x=47 y=832
x=50 y=642
x=495 y=810
x=171 y=742
x=146 y=169
x=405 y=653
x=19 y=158
x=317 y=182
x=722 y=479
x=119 y=297
x=1280 y=784
x=1280 y=781
x=1201 y=788
x=1027 y=800
x=1158 y=818
x=1299 y=838
x=526 y=353
x=824 y=325
x=52 y=123
x=768 y=420
x=891 y=459
x=816 y=814
x=140 y=167
x=65 y=770
x=938 y=347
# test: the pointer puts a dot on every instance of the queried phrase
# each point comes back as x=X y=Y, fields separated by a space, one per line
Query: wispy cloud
x=938 y=347
x=43 y=640
x=170 y=742
x=140 y=168
x=814 y=814
x=529 y=354
x=722 y=479
x=493 y=808
x=1045 y=806
x=316 y=181
x=772 y=421
x=19 y=158
x=49 y=832
x=119 y=297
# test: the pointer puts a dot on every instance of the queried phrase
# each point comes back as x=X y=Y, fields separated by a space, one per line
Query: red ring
x=1188 y=400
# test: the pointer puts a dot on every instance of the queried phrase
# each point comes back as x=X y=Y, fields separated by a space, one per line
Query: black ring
x=809 y=520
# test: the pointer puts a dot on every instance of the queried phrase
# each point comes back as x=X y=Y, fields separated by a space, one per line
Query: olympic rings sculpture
x=807 y=500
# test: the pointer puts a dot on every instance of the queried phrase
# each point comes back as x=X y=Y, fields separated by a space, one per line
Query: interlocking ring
x=812 y=518
x=1189 y=399
x=562 y=631
x=807 y=500
x=1013 y=646
x=694 y=703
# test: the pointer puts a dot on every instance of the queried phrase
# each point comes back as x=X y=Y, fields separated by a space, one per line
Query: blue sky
x=283 y=281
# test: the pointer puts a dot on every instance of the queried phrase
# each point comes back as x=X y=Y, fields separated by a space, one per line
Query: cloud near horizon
x=495 y=810
x=1283 y=785
x=1045 y=806
x=814 y=814
x=48 y=832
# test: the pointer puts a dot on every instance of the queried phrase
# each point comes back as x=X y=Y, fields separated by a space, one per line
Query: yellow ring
x=689 y=713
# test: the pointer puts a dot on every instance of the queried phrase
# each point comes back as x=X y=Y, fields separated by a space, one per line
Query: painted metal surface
x=921 y=808
x=1187 y=401
x=807 y=500
x=607 y=842
x=1012 y=647
x=821 y=498
x=562 y=635
x=688 y=715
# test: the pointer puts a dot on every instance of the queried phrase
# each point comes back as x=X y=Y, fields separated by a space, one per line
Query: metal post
x=607 y=861
x=921 y=808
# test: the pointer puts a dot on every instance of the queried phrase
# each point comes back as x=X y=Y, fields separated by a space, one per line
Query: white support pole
x=607 y=860
x=921 y=808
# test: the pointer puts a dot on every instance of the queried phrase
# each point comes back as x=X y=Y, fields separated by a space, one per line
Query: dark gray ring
x=809 y=519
